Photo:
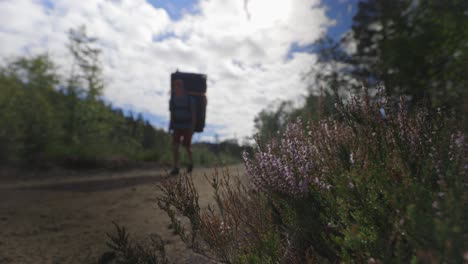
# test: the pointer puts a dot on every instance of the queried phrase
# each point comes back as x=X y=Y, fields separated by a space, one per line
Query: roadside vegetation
x=359 y=187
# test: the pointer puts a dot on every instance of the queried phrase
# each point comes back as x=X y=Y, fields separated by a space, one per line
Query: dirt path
x=66 y=221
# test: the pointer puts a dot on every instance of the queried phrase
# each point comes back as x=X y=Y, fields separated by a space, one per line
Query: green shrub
x=369 y=185
x=125 y=251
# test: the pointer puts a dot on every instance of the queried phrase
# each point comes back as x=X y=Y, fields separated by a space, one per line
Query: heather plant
x=377 y=182
x=236 y=229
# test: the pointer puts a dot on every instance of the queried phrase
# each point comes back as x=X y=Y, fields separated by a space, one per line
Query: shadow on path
x=96 y=185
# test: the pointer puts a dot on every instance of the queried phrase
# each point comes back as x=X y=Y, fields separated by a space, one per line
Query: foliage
x=223 y=153
x=26 y=88
x=125 y=251
x=87 y=78
x=45 y=125
x=377 y=183
x=384 y=188
x=268 y=122
x=236 y=229
x=271 y=123
x=415 y=48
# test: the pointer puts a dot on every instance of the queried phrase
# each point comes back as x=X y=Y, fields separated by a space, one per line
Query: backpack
x=195 y=87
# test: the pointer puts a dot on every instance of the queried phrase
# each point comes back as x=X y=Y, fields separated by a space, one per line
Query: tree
x=332 y=74
x=84 y=125
x=11 y=132
x=415 y=48
x=268 y=123
x=33 y=128
x=86 y=57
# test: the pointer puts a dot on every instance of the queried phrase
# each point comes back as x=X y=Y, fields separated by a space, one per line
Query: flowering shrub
x=237 y=229
x=375 y=183
x=281 y=167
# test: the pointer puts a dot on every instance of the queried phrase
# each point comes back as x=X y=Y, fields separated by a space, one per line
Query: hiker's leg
x=190 y=159
x=189 y=153
x=187 y=142
x=175 y=148
x=175 y=155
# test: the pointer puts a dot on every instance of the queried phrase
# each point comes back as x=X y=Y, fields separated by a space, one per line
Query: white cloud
x=243 y=47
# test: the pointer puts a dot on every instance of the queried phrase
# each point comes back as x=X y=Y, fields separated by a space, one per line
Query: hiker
x=183 y=118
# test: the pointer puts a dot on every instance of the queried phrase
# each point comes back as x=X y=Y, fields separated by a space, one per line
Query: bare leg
x=189 y=152
x=175 y=152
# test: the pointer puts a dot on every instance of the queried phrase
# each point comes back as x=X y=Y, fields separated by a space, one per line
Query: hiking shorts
x=183 y=136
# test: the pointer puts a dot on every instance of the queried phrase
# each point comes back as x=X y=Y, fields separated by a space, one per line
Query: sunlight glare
x=265 y=13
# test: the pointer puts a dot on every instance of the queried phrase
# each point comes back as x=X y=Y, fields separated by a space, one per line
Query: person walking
x=183 y=117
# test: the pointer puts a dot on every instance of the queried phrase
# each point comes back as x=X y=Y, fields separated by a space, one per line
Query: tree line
x=53 y=120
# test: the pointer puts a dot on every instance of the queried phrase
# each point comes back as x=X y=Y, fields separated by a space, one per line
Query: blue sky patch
x=49 y=4
x=342 y=11
x=296 y=48
x=161 y=37
x=175 y=8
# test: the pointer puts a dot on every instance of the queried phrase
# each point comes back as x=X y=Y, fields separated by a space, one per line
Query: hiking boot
x=174 y=172
x=189 y=168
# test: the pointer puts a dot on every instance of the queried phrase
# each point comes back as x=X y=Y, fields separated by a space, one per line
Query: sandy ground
x=65 y=219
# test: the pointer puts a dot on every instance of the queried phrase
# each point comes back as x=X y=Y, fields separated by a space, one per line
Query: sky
x=253 y=51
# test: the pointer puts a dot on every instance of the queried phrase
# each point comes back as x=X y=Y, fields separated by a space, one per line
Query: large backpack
x=195 y=86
